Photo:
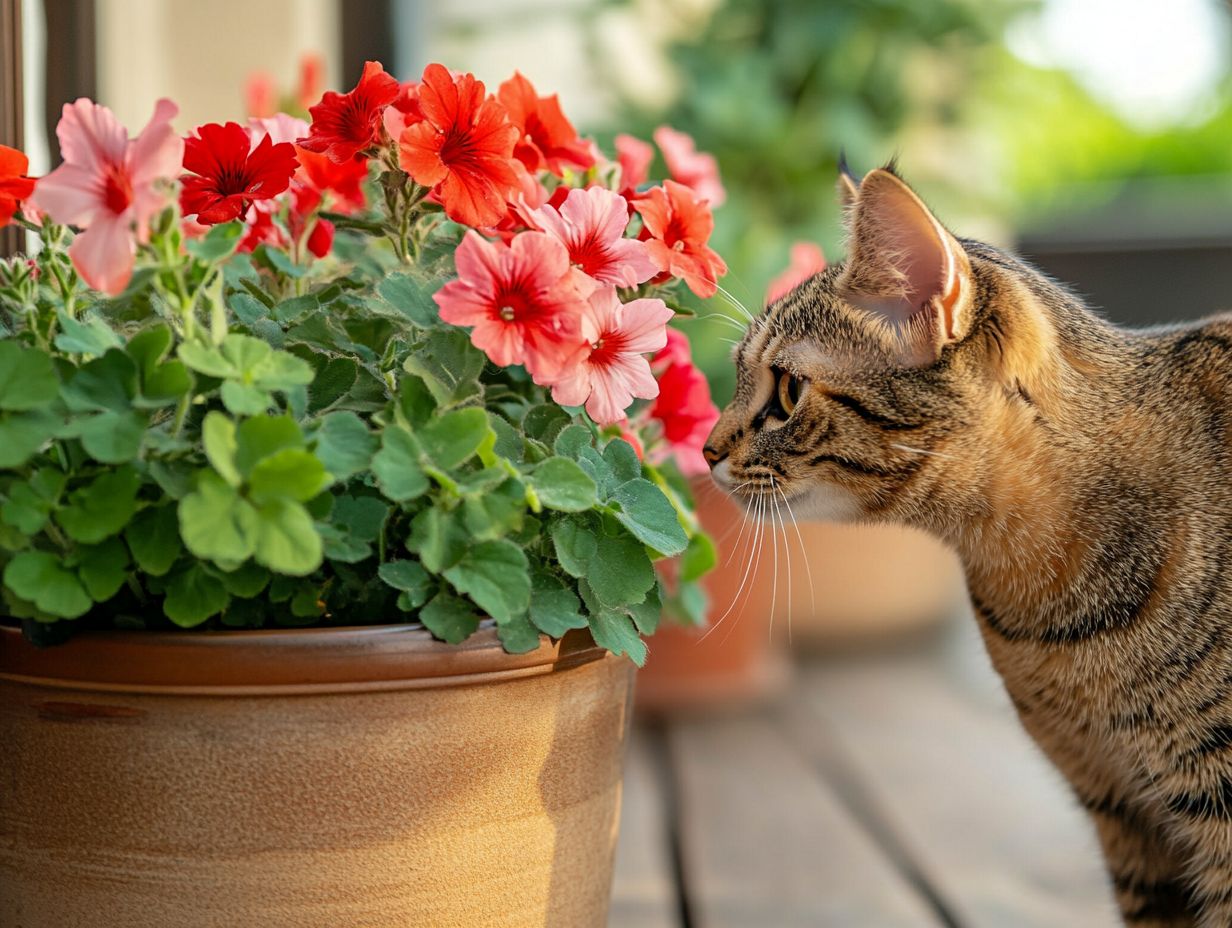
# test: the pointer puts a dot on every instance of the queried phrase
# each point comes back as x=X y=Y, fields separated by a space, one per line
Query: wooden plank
x=764 y=842
x=11 y=112
x=643 y=891
x=961 y=787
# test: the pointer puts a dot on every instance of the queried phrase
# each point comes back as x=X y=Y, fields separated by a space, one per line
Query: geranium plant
x=409 y=362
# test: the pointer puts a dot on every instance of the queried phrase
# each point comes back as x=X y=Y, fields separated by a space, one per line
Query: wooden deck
x=886 y=790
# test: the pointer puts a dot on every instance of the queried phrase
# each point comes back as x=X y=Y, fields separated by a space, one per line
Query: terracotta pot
x=735 y=660
x=316 y=779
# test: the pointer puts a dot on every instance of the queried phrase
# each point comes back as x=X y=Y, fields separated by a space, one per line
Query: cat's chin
x=826 y=503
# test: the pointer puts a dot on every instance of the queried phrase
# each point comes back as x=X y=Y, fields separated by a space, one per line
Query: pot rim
x=281 y=662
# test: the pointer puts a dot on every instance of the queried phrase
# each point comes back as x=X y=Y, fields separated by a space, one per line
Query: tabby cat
x=1082 y=471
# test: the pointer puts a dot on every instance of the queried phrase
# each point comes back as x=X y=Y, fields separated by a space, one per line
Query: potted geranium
x=329 y=510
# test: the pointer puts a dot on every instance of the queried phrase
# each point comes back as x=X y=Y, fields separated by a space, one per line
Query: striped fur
x=1084 y=474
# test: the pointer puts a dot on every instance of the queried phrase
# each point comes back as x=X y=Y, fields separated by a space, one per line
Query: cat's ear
x=903 y=266
x=848 y=186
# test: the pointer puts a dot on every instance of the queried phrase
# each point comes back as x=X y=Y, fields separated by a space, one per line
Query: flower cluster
x=383 y=366
x=560 y=265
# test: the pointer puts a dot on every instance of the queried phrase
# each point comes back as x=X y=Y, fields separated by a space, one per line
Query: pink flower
x=634 y=157
x=806 y=260
x=109 y=185
x=520 y=298
x=591 y=225
x=612 y=370
x=684 y=407
x=404 y=111
x=695 y=169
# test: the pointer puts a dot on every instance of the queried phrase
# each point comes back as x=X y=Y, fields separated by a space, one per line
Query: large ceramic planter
x=307 y=779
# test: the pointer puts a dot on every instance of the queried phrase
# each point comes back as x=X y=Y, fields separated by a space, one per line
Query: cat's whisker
x=808 y=568
x=787 y=553
x=743 y=526
x=750 y=569
x=747 y=587
x=731 y=298
x=717 y=316
x=909 y=448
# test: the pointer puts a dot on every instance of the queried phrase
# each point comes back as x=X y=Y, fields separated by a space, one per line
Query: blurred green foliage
x=777 y=88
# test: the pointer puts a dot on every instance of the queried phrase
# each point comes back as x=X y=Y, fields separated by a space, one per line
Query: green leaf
x=545 y=422
x=448 y=364
x=408 y=577
x=27 y=378
x=218 y=437
x=411 y=297
x=246 y=581
x=90 y=336
x=698 y=558
x=291 y=473
x=103 y=568
x=261 y=436
x=106 y=383
x=243 y=399
x=452 y=438
x=40 y=578
x=150 y=346
x=248 y=360
x=216 y=523
x=437 y=538
x=344 y=444
x=396 y=465
x=247 y=308
x=555 y=609
x=572 y=440
x=449 y=618
x=286 y=538
x=495 y=513
x=193 y=595
x=495 y=575
x=620 y=572
x=101 y=509
x=647 y=613
x=518 y=635
x=218 y=243
x=29 y=504
x=22 y=434
x=361 y=516
x=646 y=512
x=623 y=460
x=154 y=538
x=575 y=545
x=332 y=383
x=561 y=484
x=340 y=546
x=616 y=632
x=164 y=385
x=112 y=437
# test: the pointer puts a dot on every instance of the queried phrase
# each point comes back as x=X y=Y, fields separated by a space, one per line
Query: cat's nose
x=712 y=455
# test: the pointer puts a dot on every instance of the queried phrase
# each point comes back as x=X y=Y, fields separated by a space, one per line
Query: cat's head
x=879 y=386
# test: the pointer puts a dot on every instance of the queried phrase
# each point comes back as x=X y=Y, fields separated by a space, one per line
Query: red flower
x=695 y=169
x=403 y=111
x=678 y=225
x=806 y=260
x=547 y=139
x=462 y=148
x=14 y=185
x=521 y=300
x=344 y=181
x=260 y=94
x=311 y=68
x=634 y=157
x=683 y=406
x=346 y=124
x=228 y=173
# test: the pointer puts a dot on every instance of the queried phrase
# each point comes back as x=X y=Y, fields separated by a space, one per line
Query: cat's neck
x=1064 y=516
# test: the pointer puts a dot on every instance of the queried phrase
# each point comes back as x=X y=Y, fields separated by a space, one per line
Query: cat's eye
x=791 y=388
